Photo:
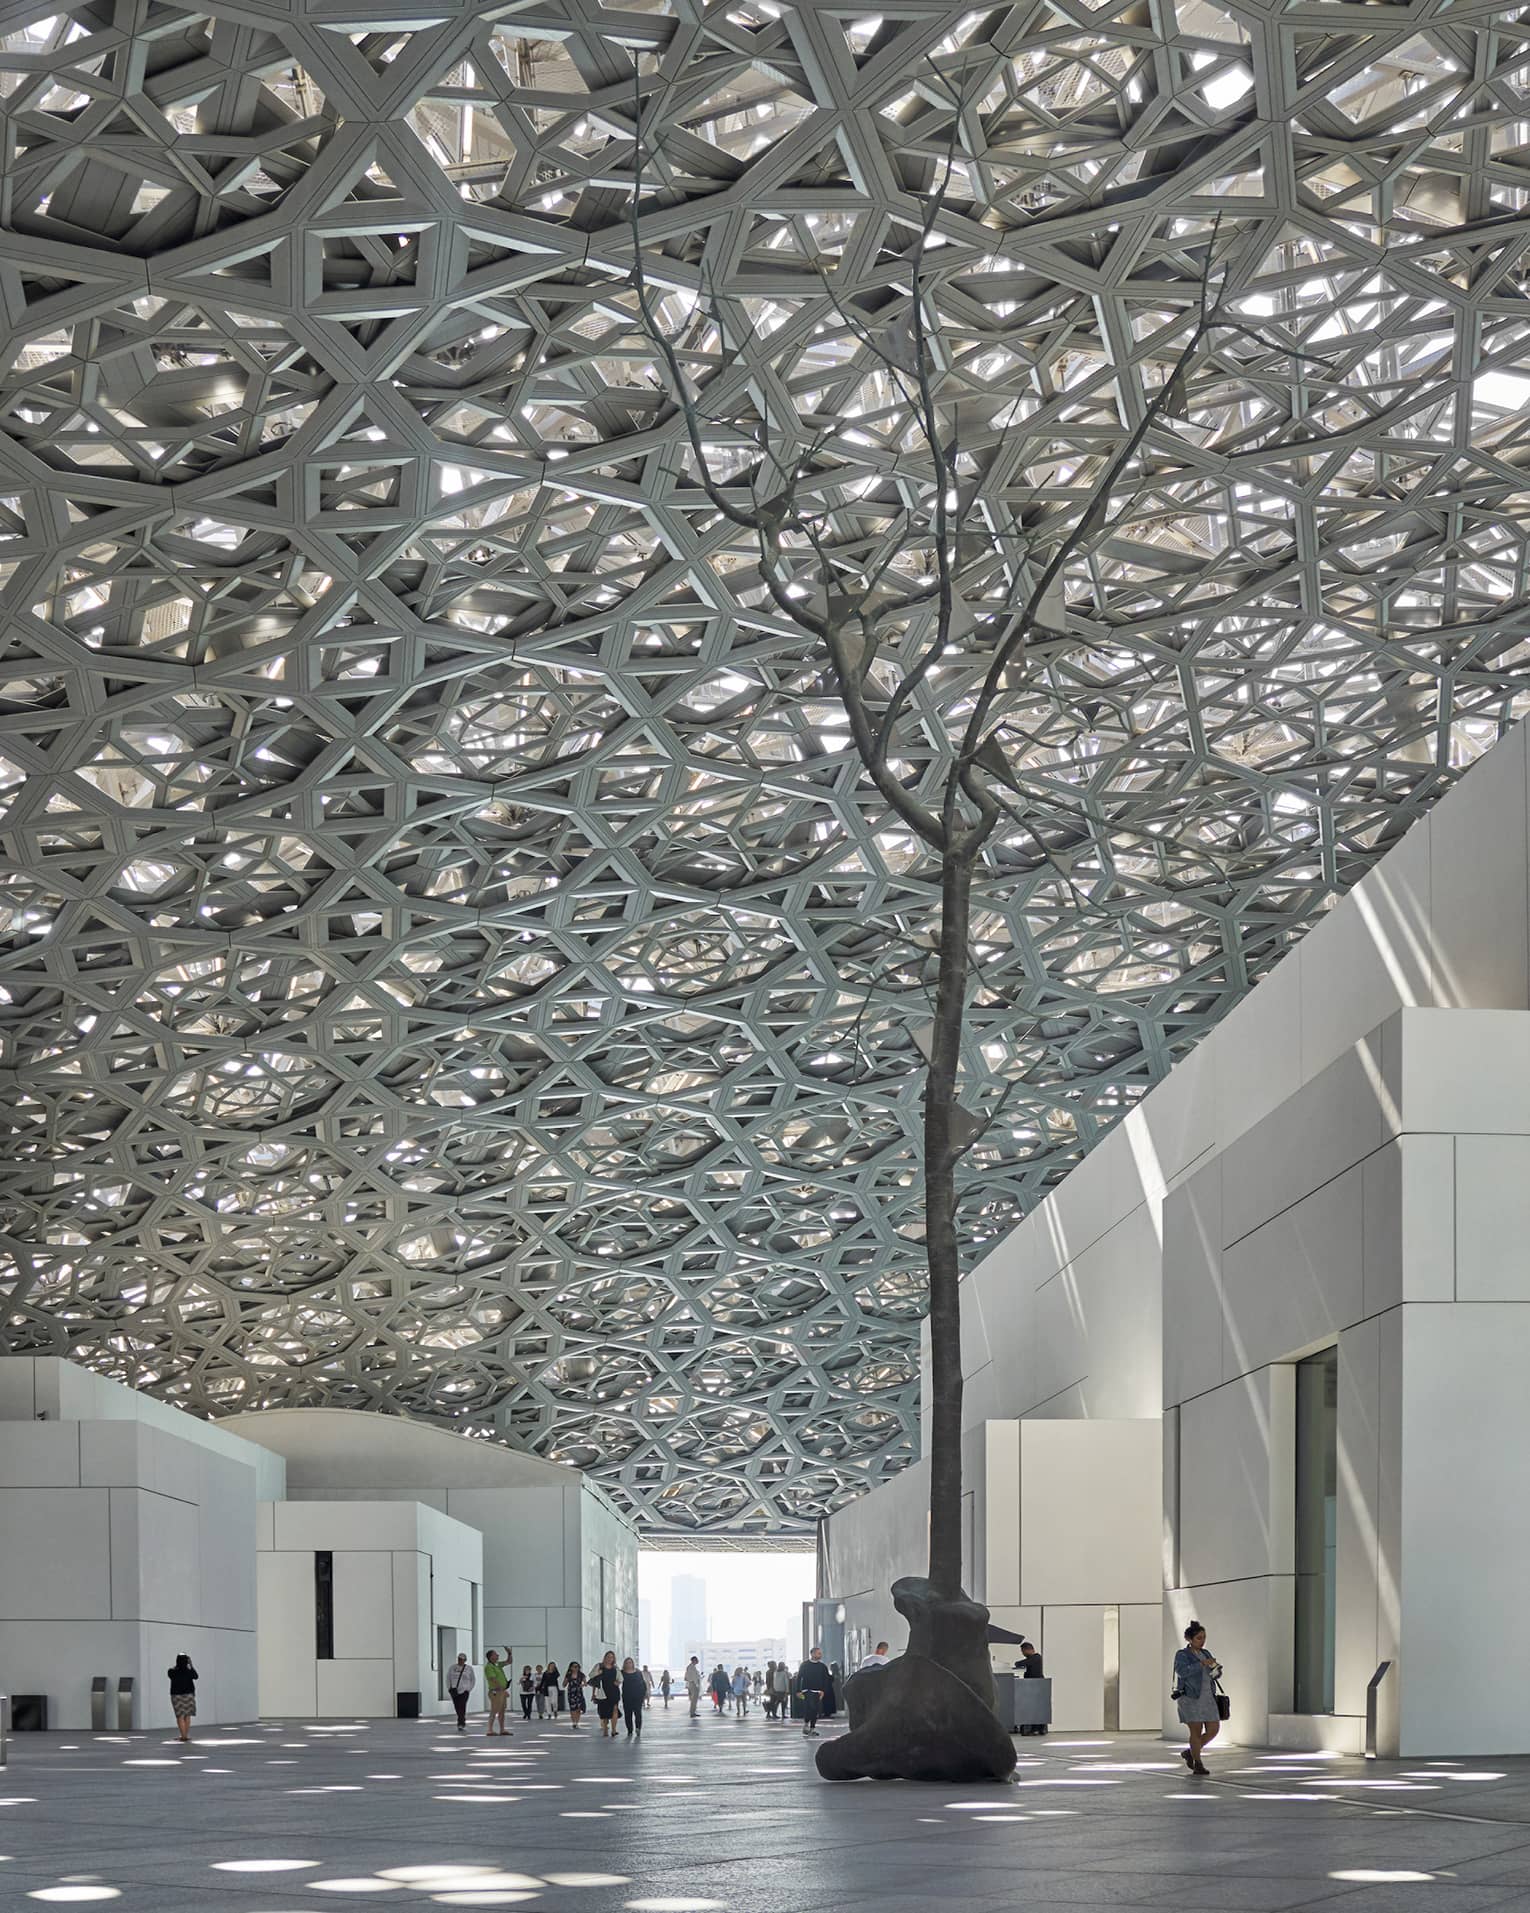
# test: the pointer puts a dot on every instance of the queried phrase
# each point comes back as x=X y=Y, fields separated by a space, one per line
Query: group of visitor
x=623 y=1691
x=811 y=1692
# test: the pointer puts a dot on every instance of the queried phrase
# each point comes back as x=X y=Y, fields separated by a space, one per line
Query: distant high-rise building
x=687 y=1618
x=645 y=1632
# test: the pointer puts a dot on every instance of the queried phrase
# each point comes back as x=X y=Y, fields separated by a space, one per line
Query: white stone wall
x=1298 y=1180
x=402 y=1572
x=1378 y=1209
x=1064 y=1524
x=48 y=1388
x=873 y=1542
x=1063 y=1317
x=124 y=1544
x=545 y=1527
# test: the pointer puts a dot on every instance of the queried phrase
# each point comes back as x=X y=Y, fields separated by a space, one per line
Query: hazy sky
x=749 y=1596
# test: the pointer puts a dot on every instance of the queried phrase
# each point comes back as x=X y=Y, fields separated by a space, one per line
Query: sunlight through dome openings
x=477 y=1799
x=263 y=1866
x=482 y=1896
x=674 y=1903
x=358 y=1884
x=1381 y=1876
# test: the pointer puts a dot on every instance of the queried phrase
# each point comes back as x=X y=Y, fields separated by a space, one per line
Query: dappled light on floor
x=729 y=1816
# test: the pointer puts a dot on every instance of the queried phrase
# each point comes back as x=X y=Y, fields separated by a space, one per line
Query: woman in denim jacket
x=1195 y=1675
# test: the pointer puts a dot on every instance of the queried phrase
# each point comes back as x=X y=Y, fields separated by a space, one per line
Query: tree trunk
x=940 y=1158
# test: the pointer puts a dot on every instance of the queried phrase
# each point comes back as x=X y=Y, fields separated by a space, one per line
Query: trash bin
x=29 y=1713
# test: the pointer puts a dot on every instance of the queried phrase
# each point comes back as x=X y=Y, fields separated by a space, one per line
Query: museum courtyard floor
x=729 y=1815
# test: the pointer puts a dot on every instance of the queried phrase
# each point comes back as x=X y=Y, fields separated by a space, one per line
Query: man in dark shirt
x=815 y=1684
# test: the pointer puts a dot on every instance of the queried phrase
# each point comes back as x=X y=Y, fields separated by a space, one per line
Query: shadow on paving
x=728 y=1816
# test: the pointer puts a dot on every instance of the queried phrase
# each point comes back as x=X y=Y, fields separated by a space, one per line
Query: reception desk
x=1023 y=1703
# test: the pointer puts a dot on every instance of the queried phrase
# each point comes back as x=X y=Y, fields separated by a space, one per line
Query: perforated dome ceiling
x=450 y=963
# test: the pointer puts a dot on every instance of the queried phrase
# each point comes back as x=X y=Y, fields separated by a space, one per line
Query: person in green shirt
x=497 y=1688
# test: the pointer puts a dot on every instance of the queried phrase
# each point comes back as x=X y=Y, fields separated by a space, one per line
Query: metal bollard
x=5 y=1726
x=98 y=1704
x=125 y=1704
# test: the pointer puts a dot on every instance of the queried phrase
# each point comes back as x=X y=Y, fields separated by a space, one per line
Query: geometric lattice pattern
x=449 y=959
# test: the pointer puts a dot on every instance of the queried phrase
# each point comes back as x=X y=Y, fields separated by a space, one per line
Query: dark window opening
x=324 y=1605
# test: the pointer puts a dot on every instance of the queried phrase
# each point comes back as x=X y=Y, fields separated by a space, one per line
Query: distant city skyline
x=749 y=1654
x=645 y=1631
x=723 y=1597
x=687 y=1615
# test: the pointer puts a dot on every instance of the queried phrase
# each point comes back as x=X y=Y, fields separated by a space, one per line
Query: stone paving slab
x=728 y=1816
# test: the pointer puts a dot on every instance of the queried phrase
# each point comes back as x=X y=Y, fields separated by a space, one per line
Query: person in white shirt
x=879 y=1658
x=459 y=1684
x=693 y=1684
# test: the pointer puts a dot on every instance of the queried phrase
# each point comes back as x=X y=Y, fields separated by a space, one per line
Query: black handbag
x=1224 y=1704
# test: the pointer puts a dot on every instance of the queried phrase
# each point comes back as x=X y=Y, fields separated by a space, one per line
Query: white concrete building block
x=1343 y=1160
x=1480 y=900
x=1465 y=1545
x=1073 y=1649
x=362 y=1689
x=1492 y=1219
x=227 y=1533
x=1248 y=1626
x=1410 y=1222
x=875 y=1541
x=1191 y=1279
x=113 y=1454
x=1369 y=956
x=40 y=1454
x=1294 y=1282
x=56 y=1561
x=18 y=1390
x=1143 y=1674
x=1089 y=1512
x=1235 y=1479
x=384 y=1604
x=1258 y=1053
x=345 y=1525
x=1180 y=1118
x=165 y=1582
x=1331 y=1123
x=1001 y=1525
x=1121 y=1315
x=568 y=1628
x=413 y=1581
x=363 y=1605
x=1461 y=1072
x=288 y=1676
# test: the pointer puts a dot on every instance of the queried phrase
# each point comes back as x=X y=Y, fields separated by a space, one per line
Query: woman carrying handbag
x=1202 y=1705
